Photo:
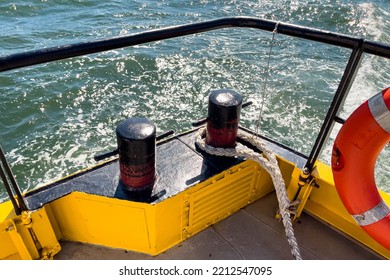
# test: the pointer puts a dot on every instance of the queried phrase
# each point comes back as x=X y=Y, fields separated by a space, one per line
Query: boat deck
x=250 y=233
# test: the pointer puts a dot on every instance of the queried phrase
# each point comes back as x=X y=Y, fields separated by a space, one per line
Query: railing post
x=5 y=171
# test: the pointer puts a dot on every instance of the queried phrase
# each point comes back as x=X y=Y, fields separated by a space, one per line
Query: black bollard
x=136 y=139
x=223 y=118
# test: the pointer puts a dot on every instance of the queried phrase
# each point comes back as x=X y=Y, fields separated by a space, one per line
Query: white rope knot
x=268 y=161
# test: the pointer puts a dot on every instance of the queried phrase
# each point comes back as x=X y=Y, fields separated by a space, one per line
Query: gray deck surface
x=250 y=233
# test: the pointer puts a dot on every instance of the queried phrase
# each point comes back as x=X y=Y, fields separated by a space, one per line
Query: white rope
x=270 y=164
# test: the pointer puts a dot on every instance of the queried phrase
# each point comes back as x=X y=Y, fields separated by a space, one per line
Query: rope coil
x=270 y=164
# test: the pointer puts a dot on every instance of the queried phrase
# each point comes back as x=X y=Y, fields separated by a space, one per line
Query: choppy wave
x=57 y=116
x=373 y=76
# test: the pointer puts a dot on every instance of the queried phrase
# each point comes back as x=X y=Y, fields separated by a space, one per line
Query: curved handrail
x=39 y=56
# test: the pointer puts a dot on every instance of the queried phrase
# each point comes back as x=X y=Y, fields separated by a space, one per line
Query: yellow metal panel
x=53 y=222
x=105 y=221
x=128 y=224
x=325 y=204
x=68 y=219
x=153 y=228
x=168 y=225
x=7 y=247
x=222 y=195
x=21 y=238
x=287 y=168
x=28 y=236
x=6 y=211
x=209 y=205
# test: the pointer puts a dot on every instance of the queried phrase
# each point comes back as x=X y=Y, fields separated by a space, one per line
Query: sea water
x=55 y=117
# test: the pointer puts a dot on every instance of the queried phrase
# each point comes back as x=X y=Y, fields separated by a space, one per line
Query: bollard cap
x=225 y=98
x=136 y=138
x=136 y=128
x=224 y=107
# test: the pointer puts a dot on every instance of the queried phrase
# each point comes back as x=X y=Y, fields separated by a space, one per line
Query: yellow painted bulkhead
x=324 y=204
x=154 y=228
x=27 y=236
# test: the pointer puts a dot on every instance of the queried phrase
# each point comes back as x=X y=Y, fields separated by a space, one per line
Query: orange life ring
x=356 y=149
